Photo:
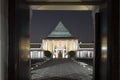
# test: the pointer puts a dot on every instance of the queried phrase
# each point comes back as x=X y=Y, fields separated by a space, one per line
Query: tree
x=71 y=53
x=47 y=54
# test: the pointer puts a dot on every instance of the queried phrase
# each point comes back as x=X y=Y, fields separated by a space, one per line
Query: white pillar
x=71 y=45
x=42 y=54
x=47 y=45
x=31 y=54
x=39 y=54
x=63 y=54
x=76 y=45
x=88 y=54
x=92 y=54
x=82 y=54
x=77 y=54
x=66 y=46
x=53 y=45
x=36 y=54
x=56 y=53
x=54 y=56
x=66 y=56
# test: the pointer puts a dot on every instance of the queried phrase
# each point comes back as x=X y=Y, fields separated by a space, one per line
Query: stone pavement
x=62 y=69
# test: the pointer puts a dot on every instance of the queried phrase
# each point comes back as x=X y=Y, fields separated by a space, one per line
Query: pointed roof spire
x=60 y=31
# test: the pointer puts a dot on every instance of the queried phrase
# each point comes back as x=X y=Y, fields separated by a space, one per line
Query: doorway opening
x=60 y=54
x=77 y=52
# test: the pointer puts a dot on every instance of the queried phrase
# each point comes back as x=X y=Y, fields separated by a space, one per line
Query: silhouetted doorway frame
x=95 y=14
x=19 y=23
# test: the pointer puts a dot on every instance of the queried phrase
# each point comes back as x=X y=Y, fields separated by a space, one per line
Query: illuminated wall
x=52 y=44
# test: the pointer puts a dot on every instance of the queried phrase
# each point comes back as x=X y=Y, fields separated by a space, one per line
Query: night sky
x=79 y=23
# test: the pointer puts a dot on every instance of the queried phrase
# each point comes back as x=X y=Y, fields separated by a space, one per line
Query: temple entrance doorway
x=60 y=54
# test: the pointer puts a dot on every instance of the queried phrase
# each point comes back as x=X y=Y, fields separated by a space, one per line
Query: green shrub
x=71 y=54
x=47 y=54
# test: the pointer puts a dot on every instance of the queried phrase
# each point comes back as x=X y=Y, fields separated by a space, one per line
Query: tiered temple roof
x=60 y=31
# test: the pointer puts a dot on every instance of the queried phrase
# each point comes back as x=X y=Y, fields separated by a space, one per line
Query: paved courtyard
x=62 y=69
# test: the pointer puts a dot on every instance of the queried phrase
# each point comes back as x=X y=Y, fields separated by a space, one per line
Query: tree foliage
x=71 y=53
x=47 y=54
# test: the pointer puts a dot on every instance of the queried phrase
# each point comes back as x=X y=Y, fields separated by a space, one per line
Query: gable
x=60 y=31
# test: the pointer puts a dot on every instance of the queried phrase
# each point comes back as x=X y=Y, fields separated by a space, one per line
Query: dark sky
x=79 y=23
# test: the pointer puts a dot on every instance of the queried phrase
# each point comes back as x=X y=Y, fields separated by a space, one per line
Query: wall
x=3 y=40
x=19 y=56
x=113 y=40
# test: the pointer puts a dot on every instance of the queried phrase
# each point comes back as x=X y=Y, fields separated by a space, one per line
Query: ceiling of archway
x=84 y=4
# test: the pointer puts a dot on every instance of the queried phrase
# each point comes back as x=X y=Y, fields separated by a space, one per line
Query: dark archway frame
x=18 y=25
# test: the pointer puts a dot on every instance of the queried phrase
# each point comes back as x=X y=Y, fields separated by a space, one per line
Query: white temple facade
x=59 y=42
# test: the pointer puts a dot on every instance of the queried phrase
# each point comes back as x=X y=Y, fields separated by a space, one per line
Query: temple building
x=59 y=42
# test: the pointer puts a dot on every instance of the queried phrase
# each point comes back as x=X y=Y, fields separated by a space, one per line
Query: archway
x=15 y=62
